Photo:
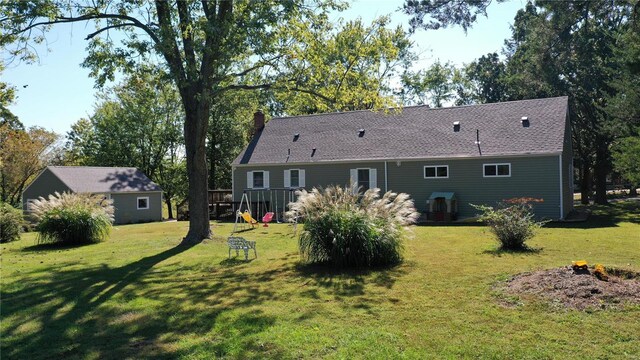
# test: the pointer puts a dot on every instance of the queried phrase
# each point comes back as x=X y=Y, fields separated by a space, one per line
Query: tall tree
x=626 y=160
x=137 y=123
x=486 y=77
x=23 y=155
x=624 y=103
x=433 y=86
x=209 y=47
x=564 y=48
x=230 y=127
x=7 y=97
x=345 y=66
x=436 y=14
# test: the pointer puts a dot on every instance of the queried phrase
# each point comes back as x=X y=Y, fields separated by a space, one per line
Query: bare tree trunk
x=633 y=190
x=195 y=130
x=600 y=173
x=167 y=201
x=585 y=183
x=3 y=194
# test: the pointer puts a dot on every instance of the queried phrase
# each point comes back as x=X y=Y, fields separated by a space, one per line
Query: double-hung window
x=497 y=170
x=294 y=178
x=363 y=179
x=436 y=172
x=258 y=179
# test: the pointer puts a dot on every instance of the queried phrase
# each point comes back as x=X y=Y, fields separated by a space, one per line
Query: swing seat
x=267 y=219
x=247 y=217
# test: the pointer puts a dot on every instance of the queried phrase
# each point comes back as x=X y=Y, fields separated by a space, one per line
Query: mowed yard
x=139 y=295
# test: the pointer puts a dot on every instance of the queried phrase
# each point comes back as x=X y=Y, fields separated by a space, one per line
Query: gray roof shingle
x=416 y=132
x=104 y=179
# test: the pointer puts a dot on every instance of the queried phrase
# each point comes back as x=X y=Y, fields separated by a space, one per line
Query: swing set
x=244 y=218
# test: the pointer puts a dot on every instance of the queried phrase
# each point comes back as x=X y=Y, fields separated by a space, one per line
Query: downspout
x=386 y=187
x=233 y=183
x=561 y=194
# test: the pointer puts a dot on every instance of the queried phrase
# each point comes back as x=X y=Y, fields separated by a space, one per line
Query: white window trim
x=138 y=203
x=265 y=179
x=29 y=204
x=424 y=172
x=496 y=175
x=301 y=179
x=373 y=178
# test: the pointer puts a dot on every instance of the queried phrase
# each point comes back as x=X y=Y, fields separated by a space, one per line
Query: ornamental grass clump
x=10 y=223
x=512 y=222
x=348 y=230
x=72 y=219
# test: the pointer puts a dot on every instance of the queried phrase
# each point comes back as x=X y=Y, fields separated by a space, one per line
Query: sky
x=56 y=91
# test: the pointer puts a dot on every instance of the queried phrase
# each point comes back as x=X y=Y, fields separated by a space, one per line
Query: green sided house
x=135 y=197
x=445 y=158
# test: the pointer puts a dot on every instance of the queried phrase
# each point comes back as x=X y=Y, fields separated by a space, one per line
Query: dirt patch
x=578 y=290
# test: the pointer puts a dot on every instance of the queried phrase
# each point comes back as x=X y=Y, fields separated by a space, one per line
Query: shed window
x=30 y=204
x=436 y=172
x=143 y=203
x=497 y=170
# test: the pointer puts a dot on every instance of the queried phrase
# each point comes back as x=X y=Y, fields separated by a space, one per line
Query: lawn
x=139 y=295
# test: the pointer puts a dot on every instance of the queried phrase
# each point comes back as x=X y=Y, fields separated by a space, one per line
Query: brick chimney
x=258 y=121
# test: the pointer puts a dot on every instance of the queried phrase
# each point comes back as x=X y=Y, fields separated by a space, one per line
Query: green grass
x=139 y=295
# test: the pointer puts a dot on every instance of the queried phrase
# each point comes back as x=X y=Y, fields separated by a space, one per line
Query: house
x=445 y=158
x=135 y=197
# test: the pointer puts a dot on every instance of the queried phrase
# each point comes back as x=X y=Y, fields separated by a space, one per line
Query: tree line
x=195 y=71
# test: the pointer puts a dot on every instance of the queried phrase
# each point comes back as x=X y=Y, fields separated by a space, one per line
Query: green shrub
x=512 y=222
x=73 y=219
x=10 y=223
x=346 y=230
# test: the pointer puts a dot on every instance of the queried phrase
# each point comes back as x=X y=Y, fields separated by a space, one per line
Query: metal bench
x=238 y=243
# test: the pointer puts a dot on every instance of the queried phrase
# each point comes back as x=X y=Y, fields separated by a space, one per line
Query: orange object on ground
x=579 y=265
x=600 y=272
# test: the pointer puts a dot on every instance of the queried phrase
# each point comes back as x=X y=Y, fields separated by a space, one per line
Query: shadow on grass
x=498 y=252
x=451 y=224
x=52 y=247
x=349 y=282
x=135 y=311
x=235 y=261
x=603 y=216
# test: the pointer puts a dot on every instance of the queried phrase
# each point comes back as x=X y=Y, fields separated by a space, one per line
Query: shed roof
x=104 y=179
x=413 y=132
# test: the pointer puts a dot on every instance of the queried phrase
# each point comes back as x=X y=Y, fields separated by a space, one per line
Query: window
x=143 y=203
x=258 y=179
x=294 y=178
x=436 y=172
x=497 y=170
x=30 y=204
x=364 y=179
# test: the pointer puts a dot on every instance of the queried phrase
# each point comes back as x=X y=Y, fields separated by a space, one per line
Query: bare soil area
x=578 y=289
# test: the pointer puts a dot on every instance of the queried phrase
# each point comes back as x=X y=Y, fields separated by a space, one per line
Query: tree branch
x=169 y=48
x=187 y=38
x=272 y=86
x=93 y=34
